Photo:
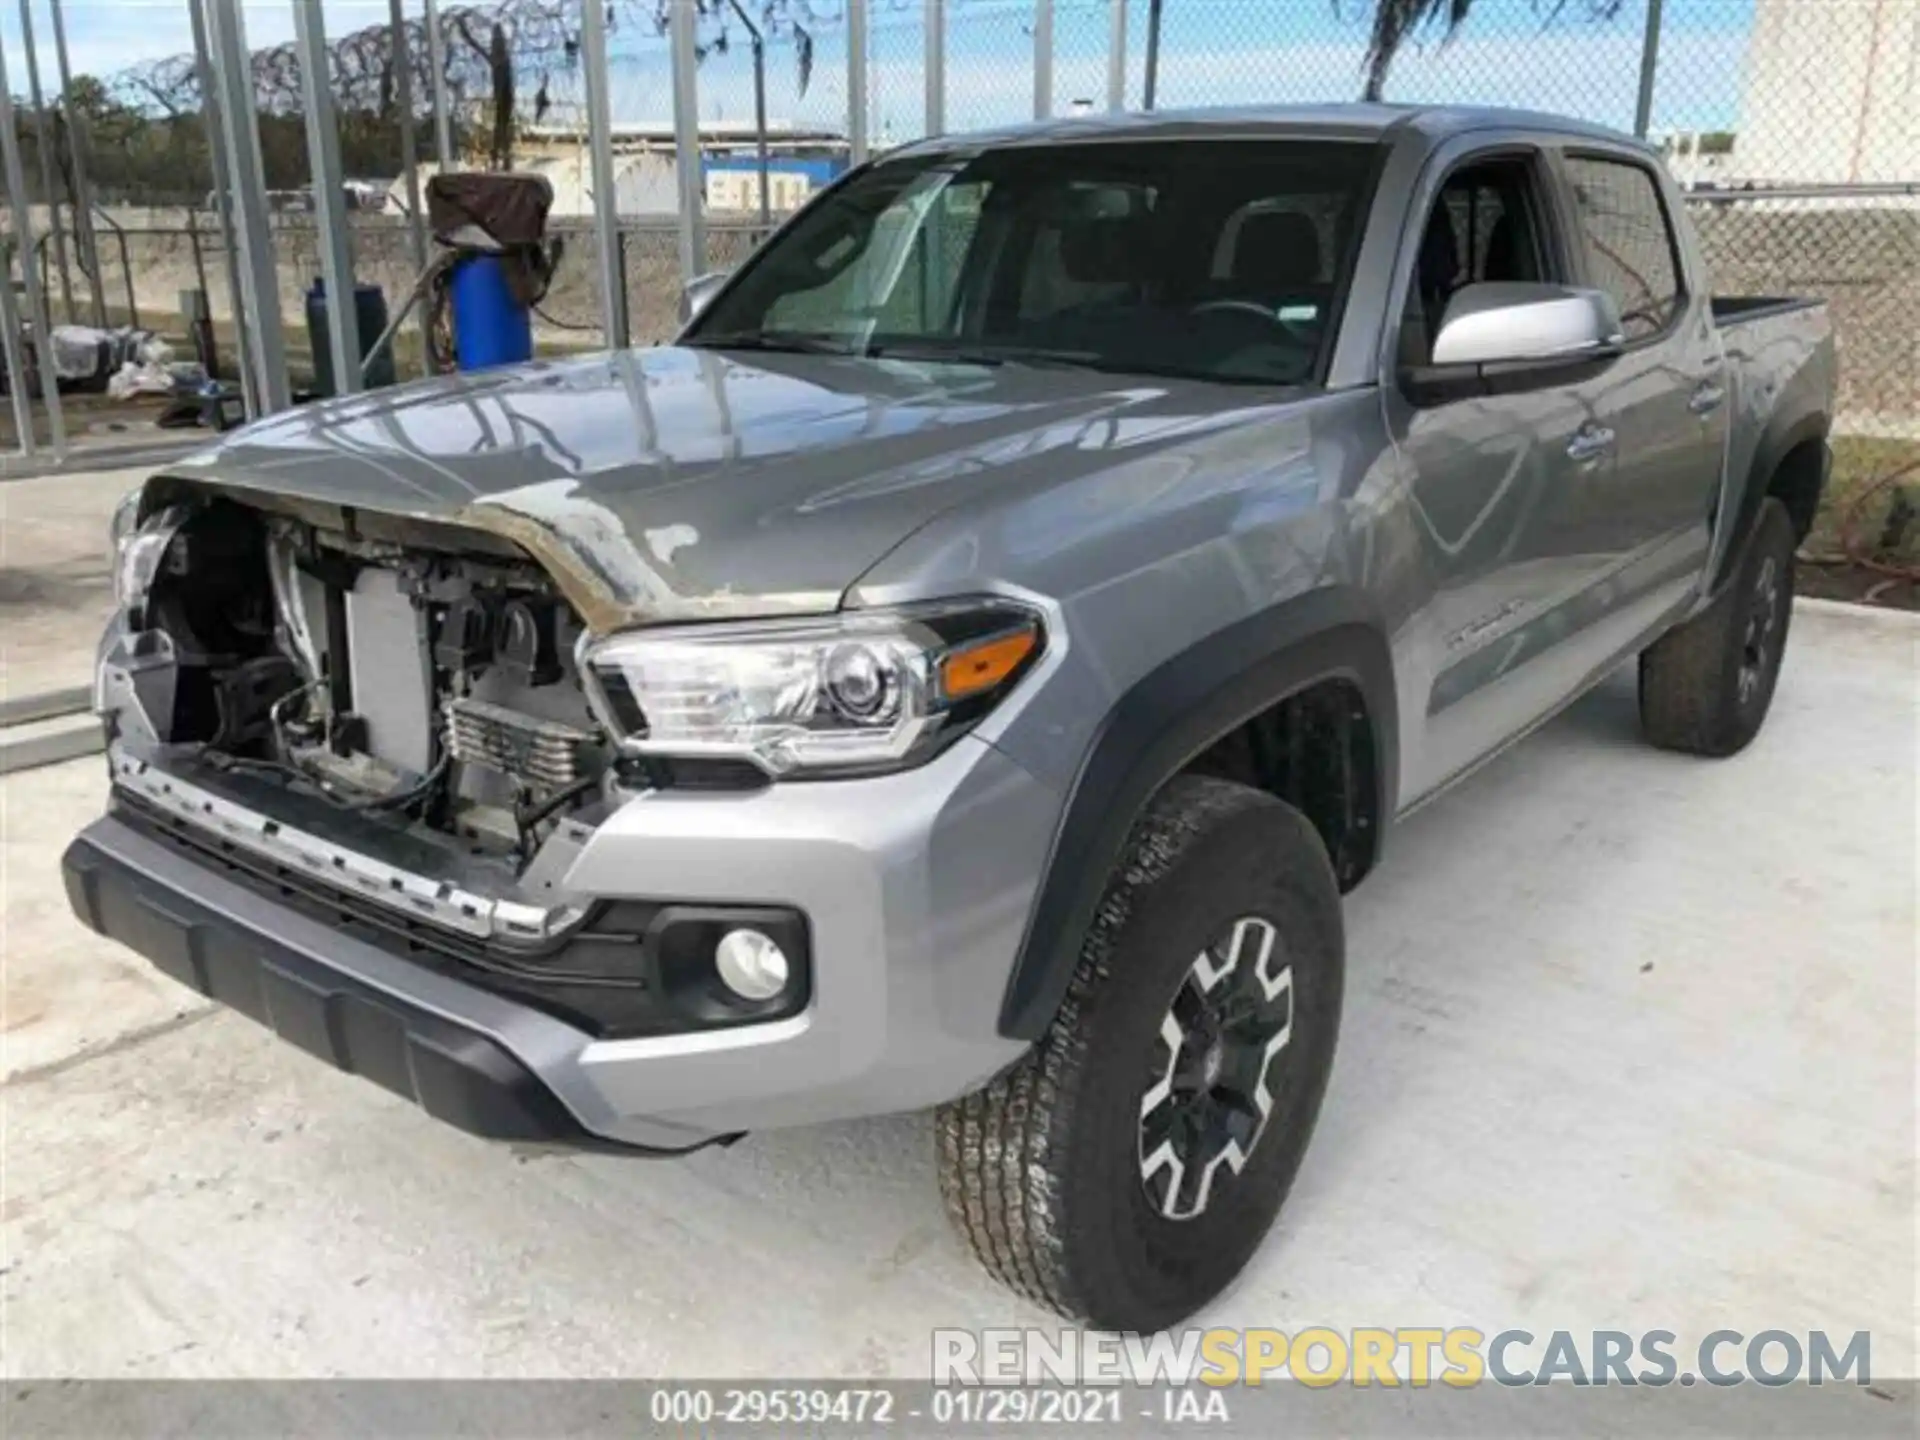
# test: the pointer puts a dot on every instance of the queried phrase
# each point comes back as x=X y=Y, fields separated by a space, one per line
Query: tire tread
x=1687 y=700
x=999 y=1147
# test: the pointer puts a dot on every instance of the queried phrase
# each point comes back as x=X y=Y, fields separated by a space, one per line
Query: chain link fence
x=1794 y=126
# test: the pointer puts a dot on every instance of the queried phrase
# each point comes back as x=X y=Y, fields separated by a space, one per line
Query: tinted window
x=1048 y=284
x=1296 y=236
x=1218 y=260
x=1629 y=244
x=1483 y=227
x=904 y=274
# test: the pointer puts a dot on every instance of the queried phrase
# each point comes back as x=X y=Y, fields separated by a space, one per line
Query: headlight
x=858 y=692
x=126 y=516
x=138 y=549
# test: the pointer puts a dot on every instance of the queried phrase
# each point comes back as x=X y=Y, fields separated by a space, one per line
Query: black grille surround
x=625 y=972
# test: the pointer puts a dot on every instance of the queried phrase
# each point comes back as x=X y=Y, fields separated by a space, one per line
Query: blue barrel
x=490 y=327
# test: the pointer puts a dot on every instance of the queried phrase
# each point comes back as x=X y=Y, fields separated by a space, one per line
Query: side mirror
x=698 y=291
x=1522 y=322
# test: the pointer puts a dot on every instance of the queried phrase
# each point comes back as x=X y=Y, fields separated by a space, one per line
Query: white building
x=800 y=159
x=1832 y=93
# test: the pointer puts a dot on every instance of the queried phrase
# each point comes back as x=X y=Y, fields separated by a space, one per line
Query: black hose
x=401 y=799
x=397 y=799
x=527 y=819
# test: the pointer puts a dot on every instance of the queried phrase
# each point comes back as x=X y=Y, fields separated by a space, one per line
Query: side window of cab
x=1631 y=250
x=1487 y=223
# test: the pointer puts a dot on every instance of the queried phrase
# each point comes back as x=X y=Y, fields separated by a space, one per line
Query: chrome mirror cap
x=1508 y=320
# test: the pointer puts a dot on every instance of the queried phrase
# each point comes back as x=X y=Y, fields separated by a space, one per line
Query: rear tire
x=1705 y=687
x=1095 y=1176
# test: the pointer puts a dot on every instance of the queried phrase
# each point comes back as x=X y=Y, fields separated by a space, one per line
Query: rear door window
x=1629 y=241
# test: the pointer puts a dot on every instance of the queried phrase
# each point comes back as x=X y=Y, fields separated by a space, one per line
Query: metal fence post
x=43 y=146
x=258 y=306
x=934 y=65
x=437 y=78
x=857 y=81
x=759 y=117
x=12 y=171
x=606 y=199
x=1150 y=81
x=416 y=216
x=1116 y=54
x=1649 y=63
x=1042 y=59
x=211 y=114
x=686 y=141
x=77 y=141
x=14 y=353
x=329 y=196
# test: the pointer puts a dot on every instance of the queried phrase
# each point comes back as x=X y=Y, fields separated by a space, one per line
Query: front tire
x=1705 y=687
x=1128 y=1167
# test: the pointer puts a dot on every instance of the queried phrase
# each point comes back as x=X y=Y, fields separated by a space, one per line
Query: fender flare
x=1779 y=441
x=1156 y=727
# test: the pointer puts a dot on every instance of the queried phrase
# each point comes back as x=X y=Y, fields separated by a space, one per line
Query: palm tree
x=1396 y=21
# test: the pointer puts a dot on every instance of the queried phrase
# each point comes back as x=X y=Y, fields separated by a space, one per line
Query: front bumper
x=916 y=888
x=235 y=948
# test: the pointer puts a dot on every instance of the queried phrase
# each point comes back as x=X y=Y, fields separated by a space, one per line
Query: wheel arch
x=1789 y=463
x=1161 y=725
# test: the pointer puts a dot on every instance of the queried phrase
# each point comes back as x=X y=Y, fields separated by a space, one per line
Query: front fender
x=1162 y=722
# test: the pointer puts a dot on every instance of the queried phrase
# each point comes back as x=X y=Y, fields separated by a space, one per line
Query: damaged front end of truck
x=389 y=721
x=413 y=727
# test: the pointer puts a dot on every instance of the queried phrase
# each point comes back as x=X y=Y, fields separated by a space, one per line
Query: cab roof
x=1358 y=121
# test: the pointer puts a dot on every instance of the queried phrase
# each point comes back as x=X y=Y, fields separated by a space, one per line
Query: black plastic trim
x=1737 y=309
x=604 y=976
x=1775 y=445
x=455 y=1073
x=1167 y=718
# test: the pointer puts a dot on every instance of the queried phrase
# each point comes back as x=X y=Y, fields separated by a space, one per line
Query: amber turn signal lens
x=984 y=664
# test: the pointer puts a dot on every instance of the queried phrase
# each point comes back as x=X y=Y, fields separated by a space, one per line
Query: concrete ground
x=1630 y=1044
x=56 y=586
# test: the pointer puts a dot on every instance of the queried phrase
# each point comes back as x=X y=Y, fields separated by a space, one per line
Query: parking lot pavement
x=56 y=586
x=1629 y=1044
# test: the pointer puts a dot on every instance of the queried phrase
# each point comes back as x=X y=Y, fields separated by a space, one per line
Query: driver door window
x=1484 y=226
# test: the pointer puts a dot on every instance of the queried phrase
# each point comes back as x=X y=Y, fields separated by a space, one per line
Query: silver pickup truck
x=968 y=666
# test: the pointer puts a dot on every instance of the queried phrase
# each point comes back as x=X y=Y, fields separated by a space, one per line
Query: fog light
x=750 y=964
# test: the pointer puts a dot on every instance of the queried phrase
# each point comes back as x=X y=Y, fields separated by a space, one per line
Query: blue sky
x=1213 y=51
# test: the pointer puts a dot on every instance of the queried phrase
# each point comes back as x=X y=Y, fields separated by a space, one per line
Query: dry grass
x=1860 y=464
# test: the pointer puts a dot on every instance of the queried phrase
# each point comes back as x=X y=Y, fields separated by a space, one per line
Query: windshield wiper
x=776 y=341
x=927 y=351
x=933 y=353
x=1042 y=357
x=987 y=355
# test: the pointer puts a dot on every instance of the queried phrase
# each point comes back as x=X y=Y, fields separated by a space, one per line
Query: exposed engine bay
x=425 y=684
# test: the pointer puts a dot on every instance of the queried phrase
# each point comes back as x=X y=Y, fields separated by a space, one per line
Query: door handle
x=1590 y=442
x=1706 y=399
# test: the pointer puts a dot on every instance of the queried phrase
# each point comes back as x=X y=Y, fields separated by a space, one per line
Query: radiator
x=540 y=752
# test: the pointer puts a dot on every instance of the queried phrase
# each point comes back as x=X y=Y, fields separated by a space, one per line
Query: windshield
x=1218 y=260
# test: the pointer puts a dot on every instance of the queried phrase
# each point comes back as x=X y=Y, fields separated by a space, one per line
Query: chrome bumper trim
x=438 y=902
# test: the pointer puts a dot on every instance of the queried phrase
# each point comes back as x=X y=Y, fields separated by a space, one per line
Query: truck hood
x=688 y=484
